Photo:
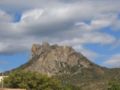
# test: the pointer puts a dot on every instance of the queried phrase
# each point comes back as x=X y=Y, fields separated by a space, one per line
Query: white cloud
x=89 y=38
x=31 y=16
x=87 y=53
x=4 y=17
x=114 y=61
x=54 y=22
x=36 y=25
x=116 y=25
x=98 y=23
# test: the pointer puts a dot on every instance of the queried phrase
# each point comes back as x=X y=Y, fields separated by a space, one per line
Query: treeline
x=35 y=81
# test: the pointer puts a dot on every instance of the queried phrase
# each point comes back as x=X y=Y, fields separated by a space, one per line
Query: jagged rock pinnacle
x=37 y=48
x=68 y=65
x=51 y=59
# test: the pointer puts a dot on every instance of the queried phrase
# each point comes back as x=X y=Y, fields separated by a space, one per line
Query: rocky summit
x=64 y=63
x=54 y=59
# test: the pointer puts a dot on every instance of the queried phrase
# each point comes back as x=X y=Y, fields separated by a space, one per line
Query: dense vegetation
x=114 y=85
x=69 y=69
x=35 y=81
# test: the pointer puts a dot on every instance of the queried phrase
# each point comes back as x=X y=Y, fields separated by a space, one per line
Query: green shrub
x=114 y=85
x=31 y=81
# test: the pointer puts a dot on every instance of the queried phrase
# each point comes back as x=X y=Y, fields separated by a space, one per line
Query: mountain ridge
x=64 y=63
x=49 y=57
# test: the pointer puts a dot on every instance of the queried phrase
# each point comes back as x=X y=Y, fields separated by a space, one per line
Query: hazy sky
x=92 y=27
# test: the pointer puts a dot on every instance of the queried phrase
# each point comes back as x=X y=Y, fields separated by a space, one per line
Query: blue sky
x=92 y=27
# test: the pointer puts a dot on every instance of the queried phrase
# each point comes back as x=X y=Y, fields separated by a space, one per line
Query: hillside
x=64 y=63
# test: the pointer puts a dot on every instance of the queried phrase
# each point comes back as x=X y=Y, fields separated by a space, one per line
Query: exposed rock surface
x=54 y=59
x=64 y=63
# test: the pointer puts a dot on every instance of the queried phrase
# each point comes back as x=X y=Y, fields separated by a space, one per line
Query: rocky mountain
x=54 y=59
x=64 y=63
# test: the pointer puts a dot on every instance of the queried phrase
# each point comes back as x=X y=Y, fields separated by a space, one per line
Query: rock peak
x=45 y=44
x=37 y=48
x=51 y=59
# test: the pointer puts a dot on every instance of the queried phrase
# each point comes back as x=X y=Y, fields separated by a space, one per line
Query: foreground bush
x=114 y=85
x=31 y=81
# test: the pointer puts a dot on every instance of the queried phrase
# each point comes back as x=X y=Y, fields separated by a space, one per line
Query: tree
x=31 y=81
x=114 y=85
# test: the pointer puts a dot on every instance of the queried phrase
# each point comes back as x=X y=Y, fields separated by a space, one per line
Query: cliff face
x=54 y=59
x=69 y=66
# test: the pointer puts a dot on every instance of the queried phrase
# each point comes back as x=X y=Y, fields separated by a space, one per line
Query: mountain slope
x=64 y=63
x=56 y=59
